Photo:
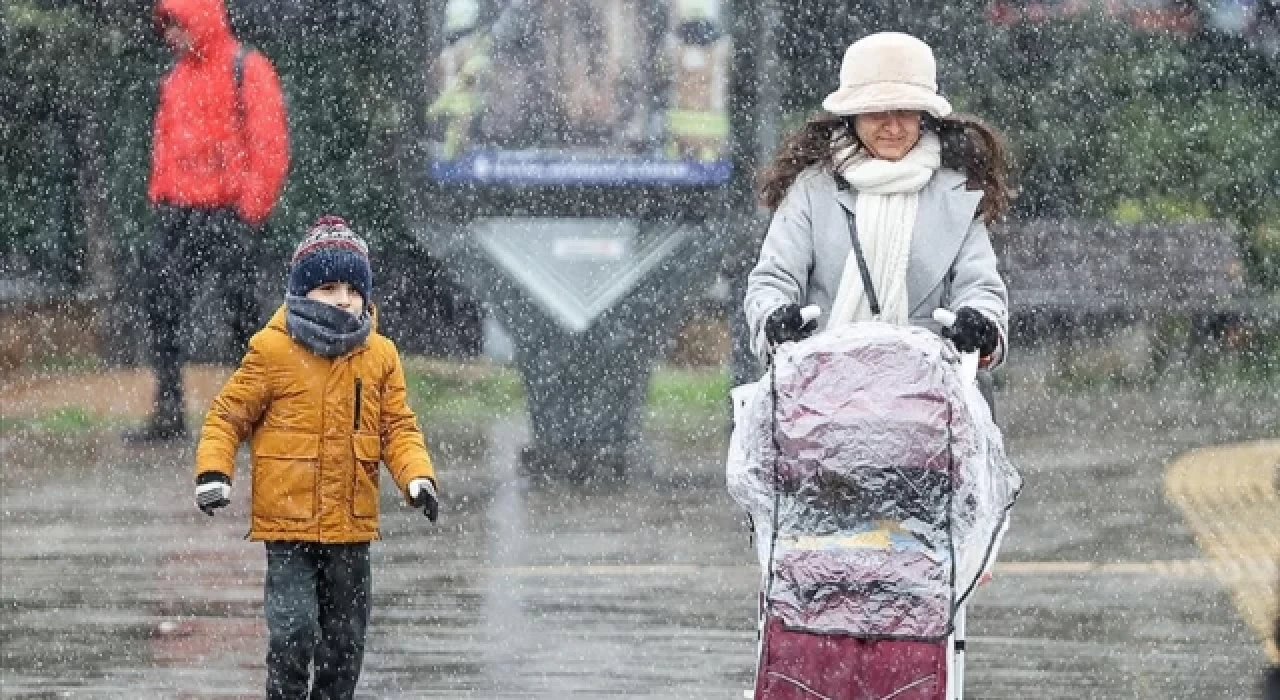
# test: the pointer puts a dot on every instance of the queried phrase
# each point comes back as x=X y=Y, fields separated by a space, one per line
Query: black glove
x=213 y=491
x=422 y=494
x=973 y=331
x=786 y=325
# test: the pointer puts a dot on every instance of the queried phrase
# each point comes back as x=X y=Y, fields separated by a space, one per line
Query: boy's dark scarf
x=323 y=329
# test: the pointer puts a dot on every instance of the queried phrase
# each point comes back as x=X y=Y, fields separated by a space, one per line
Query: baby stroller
x=878 y=489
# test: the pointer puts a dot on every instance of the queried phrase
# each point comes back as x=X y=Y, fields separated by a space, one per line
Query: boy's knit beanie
x=331 y=252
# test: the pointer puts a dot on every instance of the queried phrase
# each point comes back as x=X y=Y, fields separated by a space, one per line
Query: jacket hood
x=205 y=20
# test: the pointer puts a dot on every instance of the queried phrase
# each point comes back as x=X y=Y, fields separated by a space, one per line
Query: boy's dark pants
x=317 y=608
x=187 y=247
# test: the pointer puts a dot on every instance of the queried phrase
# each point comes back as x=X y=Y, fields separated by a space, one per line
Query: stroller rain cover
x=876 y=480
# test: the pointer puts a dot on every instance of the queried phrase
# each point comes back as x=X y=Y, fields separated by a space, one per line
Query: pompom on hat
x=330 y=252
x=887 y=71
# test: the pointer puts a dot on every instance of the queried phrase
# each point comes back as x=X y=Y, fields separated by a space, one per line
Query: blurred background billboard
x=580 y=92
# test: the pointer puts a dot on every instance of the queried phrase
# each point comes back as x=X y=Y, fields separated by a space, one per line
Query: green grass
x=679 y=399
x=689 y=405
x=689 y=390
x=434 y=396
x=71 y=420
x=500 y=388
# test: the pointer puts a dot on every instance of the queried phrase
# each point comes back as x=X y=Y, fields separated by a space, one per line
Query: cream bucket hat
x=887 y=71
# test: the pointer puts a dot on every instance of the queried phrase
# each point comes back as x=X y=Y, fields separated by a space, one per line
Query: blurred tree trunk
x=100 y=290
x=419 y=42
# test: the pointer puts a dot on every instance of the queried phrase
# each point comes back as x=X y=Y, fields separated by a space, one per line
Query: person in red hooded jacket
x=220 y=154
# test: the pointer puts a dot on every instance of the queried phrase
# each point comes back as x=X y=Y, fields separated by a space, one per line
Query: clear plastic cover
x=879 y=467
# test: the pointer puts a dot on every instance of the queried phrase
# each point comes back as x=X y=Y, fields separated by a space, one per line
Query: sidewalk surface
x=1140 y=563
x=1228 y=496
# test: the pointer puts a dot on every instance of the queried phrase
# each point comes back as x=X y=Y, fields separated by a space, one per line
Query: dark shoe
x=156 y=432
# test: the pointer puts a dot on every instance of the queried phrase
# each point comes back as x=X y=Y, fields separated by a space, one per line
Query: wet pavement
x=113 y=585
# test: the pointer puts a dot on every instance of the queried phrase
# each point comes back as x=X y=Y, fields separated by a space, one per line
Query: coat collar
x=947 y=209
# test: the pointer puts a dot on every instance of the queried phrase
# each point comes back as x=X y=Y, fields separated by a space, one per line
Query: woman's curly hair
x=969 y=145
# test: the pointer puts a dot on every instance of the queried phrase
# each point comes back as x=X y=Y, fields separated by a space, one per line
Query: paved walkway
x=1109 y=586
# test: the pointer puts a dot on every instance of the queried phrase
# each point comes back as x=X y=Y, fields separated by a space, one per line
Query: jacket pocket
x=285 y=469
x=364 y=495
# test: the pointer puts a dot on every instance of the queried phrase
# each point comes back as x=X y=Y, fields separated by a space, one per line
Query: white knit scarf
x=888 y=199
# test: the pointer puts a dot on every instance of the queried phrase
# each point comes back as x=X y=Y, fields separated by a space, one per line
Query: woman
x=919 y=185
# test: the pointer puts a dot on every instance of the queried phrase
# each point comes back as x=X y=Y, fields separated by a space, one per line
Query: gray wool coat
x=951 y=262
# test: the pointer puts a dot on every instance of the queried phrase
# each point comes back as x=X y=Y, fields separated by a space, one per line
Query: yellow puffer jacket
x=318 y=429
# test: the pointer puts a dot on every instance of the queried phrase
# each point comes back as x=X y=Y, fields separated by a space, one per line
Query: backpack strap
x=242 y=52
x=863 y=270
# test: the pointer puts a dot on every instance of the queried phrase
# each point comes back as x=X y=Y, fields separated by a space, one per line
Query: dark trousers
x=189 y=249
x=317 y=608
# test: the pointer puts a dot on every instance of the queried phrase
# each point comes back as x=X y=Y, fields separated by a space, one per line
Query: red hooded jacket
x=202 y=156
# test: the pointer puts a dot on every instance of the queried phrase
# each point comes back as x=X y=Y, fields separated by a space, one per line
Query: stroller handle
x=968 y=360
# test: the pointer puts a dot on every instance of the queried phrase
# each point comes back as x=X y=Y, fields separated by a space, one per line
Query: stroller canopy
x=876 y=479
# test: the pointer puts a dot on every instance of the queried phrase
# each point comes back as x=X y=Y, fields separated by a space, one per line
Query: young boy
x=321 y=398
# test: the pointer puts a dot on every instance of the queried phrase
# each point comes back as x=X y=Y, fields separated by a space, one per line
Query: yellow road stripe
x=1228 y=497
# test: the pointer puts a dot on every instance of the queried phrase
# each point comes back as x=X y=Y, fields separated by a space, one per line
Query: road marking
x=1235 y=570
x=1228 y=497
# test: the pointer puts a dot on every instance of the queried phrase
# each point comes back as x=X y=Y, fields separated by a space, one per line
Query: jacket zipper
x=359 y=384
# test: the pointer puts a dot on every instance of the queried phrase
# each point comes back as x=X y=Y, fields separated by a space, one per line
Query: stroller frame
x=950 y=651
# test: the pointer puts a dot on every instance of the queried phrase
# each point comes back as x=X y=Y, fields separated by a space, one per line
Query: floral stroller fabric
x=878 y=487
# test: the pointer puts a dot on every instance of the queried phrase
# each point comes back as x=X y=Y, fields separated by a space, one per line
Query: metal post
x=955 y=656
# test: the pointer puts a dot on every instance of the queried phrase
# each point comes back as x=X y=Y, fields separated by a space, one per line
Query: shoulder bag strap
x=863 y=269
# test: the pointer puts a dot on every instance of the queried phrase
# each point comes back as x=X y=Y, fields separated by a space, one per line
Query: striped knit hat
x=331 y=252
